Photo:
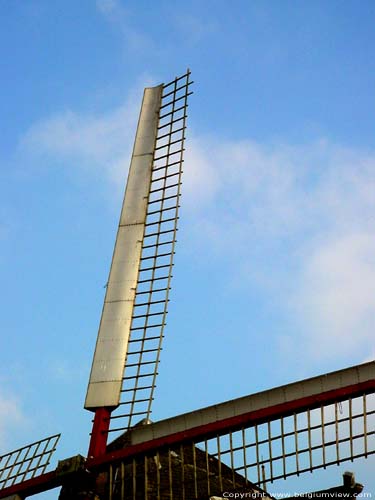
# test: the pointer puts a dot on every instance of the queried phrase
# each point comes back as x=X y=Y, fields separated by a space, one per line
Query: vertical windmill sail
x=127 y=353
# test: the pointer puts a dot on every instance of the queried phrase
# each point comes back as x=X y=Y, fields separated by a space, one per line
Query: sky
x=274 y=277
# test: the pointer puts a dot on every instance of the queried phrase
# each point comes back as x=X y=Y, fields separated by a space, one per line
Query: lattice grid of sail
x=303 y=442
x=250 y=457
x=27 y=462
x=154 y=279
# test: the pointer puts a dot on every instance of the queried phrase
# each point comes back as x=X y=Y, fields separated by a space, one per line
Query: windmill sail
x=27 y=462
x=130 y=335
x=237 y=447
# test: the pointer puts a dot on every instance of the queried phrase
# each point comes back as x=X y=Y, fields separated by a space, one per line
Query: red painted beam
x=50 y=480
x=33 y=486
x=234 y=423
x=99 y=434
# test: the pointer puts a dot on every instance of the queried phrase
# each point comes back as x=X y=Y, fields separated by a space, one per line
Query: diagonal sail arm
x=131 y=330
x=158 y=249
x=112 y=341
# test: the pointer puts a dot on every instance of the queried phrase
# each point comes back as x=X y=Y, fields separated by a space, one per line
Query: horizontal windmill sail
x=127 y=353
x=27 y=462
x=240 y=445
x=235 y=446
x=262 y=438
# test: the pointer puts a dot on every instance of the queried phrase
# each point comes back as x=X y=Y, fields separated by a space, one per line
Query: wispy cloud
x=301 y=218
x=303 y=226
x=11 y=418
x=107 y=6
x=65 y=371
x=98 y=144
x=338 y=289
x=182 y=28
x=192 y=28
x=136 y=40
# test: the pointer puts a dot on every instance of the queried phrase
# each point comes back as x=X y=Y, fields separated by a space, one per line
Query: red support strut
x=99 y=434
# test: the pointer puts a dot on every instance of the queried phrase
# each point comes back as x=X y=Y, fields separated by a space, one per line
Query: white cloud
x=302 y=222
x=98 y=144
x=136 y=40
x=11 y=418
x=338 y=300
x=65 y=371
x=185 y=28
x=107 y=6
x=302 y=218
x=193 y=29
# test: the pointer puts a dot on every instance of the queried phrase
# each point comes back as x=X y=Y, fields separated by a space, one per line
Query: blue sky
x=275 y=268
